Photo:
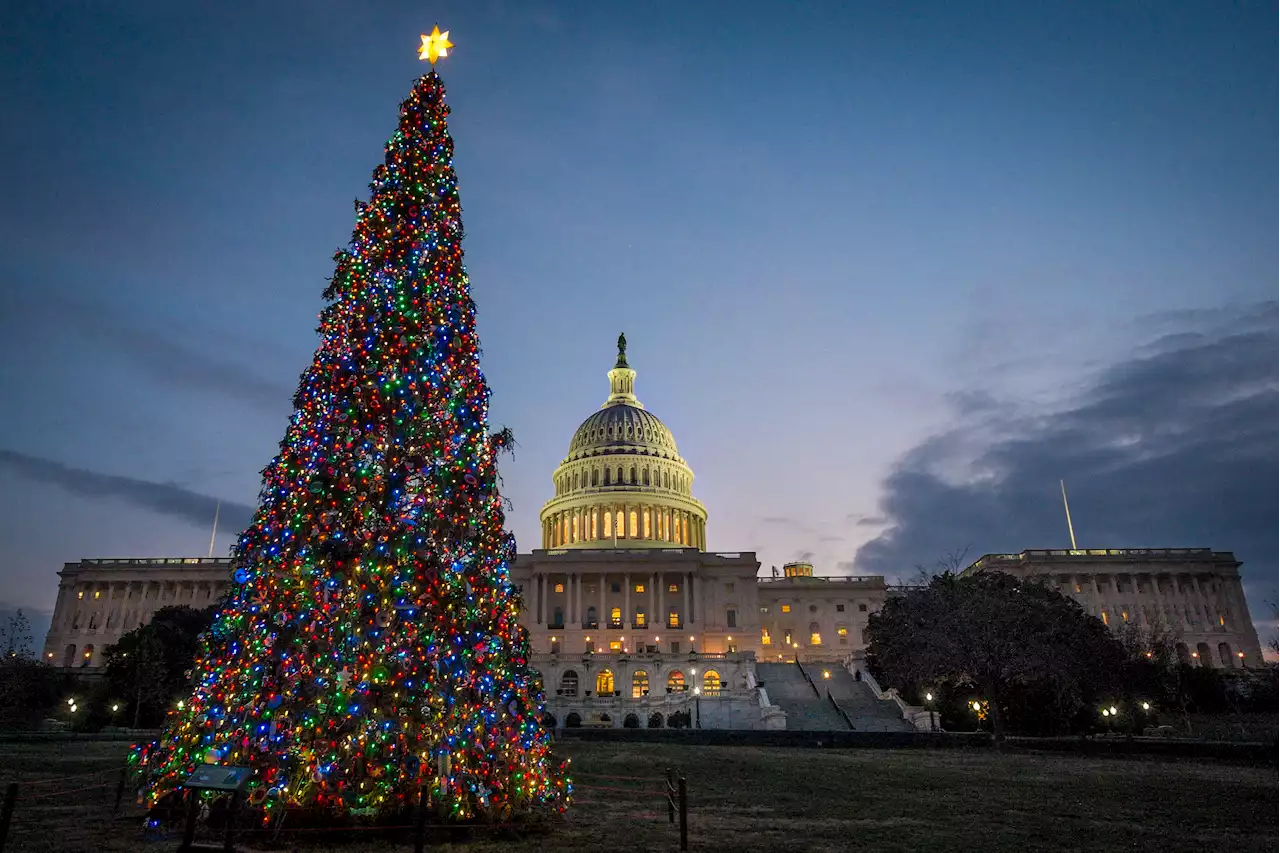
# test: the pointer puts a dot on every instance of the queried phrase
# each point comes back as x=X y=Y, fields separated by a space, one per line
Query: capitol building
x=633 y=623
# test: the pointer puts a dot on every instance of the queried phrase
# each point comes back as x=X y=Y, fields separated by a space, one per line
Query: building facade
x=101 y=600
x=1193 y=596
x=632 y=622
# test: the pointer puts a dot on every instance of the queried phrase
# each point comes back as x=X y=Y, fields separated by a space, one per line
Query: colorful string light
x=371 y=647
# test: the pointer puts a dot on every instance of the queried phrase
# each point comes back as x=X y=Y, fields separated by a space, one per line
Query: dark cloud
x=1174 y=447
x=165 y=498
x=178 y=361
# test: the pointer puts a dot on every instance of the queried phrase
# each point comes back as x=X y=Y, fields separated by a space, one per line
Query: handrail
x=847 y=721
x=816 y=691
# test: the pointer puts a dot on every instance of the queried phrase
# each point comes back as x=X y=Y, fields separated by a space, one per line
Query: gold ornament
x=435 y=45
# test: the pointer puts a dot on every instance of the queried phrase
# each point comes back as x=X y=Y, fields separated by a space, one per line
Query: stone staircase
x=858 y=700
x=789 y=690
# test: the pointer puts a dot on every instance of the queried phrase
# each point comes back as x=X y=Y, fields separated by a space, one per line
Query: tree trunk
x=997 y=724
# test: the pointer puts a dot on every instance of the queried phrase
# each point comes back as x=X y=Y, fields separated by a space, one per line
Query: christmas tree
x=370 y=649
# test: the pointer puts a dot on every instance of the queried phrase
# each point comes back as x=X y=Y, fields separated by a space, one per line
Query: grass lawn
x=766 y=799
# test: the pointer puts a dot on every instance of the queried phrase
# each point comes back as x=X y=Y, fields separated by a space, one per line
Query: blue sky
x=888 y=271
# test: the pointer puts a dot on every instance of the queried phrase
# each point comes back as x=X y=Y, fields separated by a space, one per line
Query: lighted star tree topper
x=370 y=649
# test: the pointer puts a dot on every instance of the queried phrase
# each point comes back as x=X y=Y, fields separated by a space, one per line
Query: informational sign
x=212 y=777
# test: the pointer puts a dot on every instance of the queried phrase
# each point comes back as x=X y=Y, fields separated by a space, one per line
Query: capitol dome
x=623 y=479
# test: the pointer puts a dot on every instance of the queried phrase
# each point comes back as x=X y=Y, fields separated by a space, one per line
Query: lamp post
x=928 y=701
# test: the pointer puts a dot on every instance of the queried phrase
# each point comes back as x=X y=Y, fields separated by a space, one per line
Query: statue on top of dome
x=622 y=351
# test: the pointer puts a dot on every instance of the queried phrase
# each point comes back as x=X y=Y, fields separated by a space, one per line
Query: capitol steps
x=867 y=712
x=789 y=690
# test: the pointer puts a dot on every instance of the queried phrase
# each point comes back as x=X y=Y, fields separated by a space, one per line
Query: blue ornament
x=241 y=576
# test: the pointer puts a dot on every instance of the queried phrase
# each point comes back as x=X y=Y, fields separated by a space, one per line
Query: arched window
x=675 y=681
x=569 y=683
x=635 y=525
x=711 y=683
x=604 y=683
x=608 y=524
x=93 y=621
x=1224 y=655
x=615 y=617
x=87 y=655
x=573 y=720
x=646 y=476
x=595 y=476
x=633 y=475
x=639 y=684
x=576 y=535
x=591 y=617
x=648 y=527
x=606 y=476
x=575 y=479
x=620 y=481
x=666 y=480
x=815 y=636
x=1205 y=654
x=69 y=656
x=595 y=523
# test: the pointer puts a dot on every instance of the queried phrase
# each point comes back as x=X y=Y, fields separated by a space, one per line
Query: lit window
x=97 y=594
x=615 y=616
x=1222 y=620
x=786 y=638
x=590 y=646
x=842 y=631
x=764 y=609
x=639 y=618
x=639 y=587
x=673 y=588
x=639 y=684
x=732 y=647
x=80 y=594
x=786 y=608
x=765 y=639
x=673 y=618
x=675 y=681
x=1105 y=621
x=1124 y=614
x=1078 y=588
x=604 y=683
x=711 y=683
x=815 y=639
x=559 y=587
x=615 y=645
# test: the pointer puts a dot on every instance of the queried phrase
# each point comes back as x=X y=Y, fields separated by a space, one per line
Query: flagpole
x=213 y=536
x=1067 y=507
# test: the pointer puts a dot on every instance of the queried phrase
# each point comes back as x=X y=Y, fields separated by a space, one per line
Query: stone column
x=626 y=598
x=654 y=617
x=577 y=603
x=601 y=616
x=542 y=600
x=684 y=609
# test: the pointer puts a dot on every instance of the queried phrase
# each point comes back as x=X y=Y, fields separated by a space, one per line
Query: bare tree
x=15 y=637
x=953 y=561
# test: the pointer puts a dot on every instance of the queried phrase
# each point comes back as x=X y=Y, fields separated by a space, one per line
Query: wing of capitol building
x=633 y=623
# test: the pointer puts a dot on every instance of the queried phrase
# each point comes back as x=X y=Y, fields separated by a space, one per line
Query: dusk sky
x=888 y=271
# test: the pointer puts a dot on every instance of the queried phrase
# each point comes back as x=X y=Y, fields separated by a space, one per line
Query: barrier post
x=124 y=773
x=671 y=795
x=6 y=811
x=420 y=824
x=684 y=816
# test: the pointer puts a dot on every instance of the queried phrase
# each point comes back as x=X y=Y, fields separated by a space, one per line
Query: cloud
x=165 y=357
x=1175 y=446
x=164 y=498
